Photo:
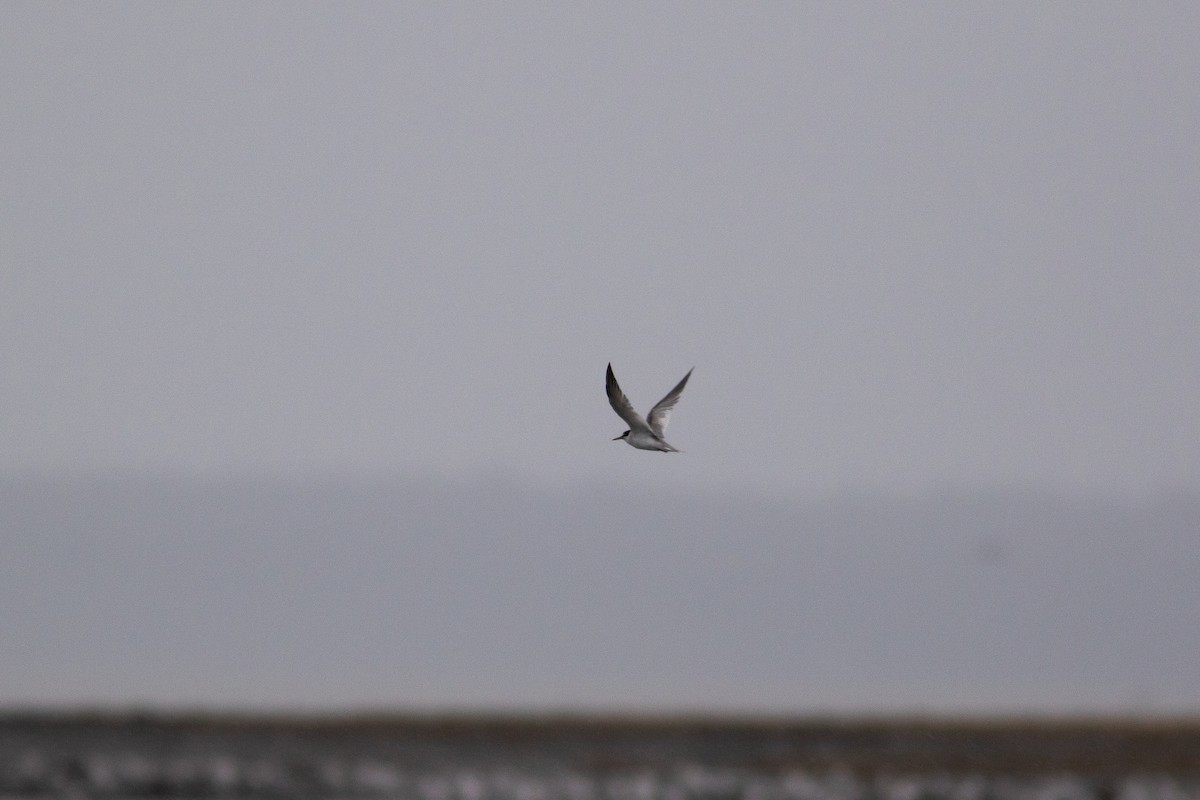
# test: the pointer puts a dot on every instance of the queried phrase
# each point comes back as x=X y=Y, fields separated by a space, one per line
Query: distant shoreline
x=334 y=718
x=1026 y=745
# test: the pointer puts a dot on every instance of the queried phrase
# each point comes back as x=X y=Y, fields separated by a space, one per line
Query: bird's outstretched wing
x=660 y=415
x=621 y=404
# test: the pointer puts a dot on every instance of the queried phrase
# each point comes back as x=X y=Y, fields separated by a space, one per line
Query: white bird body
x=644 y=434
x=644 y=440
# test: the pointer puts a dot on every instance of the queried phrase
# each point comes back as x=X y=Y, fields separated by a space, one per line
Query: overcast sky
x=485 y=594
x=908 y=247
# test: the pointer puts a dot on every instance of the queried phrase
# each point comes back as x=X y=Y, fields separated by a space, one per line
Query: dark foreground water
x=580 y=759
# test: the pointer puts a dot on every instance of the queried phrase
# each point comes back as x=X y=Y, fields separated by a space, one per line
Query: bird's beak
x=618 y=438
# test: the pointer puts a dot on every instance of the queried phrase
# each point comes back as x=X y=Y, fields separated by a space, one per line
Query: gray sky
x=908 y=248
x=486 y=593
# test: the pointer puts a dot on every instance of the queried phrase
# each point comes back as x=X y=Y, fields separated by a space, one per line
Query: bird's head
x=624 y=435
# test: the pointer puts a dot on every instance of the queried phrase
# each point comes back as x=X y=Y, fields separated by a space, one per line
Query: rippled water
x=61 y=759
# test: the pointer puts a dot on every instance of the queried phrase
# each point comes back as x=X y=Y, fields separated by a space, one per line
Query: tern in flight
x=644 y=434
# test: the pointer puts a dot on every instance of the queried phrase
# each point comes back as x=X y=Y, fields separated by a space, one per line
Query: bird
x=644 y=434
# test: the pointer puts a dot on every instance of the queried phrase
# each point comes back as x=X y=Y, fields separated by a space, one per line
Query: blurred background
x=305 y=312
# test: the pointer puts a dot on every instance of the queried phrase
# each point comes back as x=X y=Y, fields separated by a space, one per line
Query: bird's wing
x=660 y=415
x=621 y=405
